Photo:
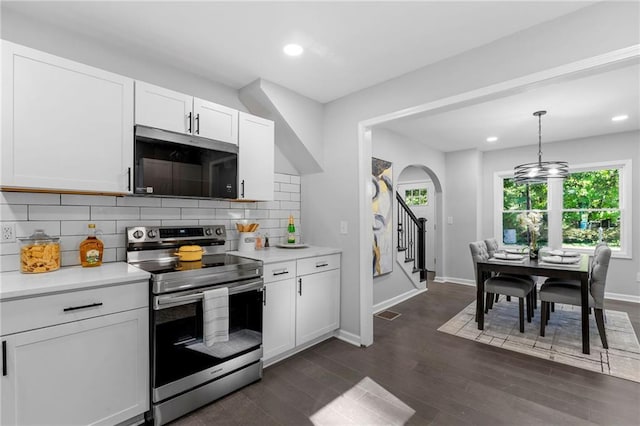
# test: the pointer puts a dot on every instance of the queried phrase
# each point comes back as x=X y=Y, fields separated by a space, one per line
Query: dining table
x=536 y=267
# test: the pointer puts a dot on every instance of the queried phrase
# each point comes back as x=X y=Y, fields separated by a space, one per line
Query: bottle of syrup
x=291 y=231
x=91 y=249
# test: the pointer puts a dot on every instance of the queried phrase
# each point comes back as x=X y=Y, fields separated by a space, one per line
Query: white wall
x=402 y=152
x=621 y=278
x=67 y=216
x=588 y=32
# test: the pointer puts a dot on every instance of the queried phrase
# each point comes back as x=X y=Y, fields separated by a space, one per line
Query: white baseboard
x=379 y=307
x=622 y=297
x=455 y=280
x=345 y=336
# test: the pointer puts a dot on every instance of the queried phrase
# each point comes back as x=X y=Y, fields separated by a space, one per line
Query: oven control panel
x=165 y=234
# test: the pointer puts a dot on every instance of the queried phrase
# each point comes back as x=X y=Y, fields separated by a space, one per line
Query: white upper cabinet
x=256 y=137
x=215 y=121
x=169 y=110
x=65 y=126
x=163 y=108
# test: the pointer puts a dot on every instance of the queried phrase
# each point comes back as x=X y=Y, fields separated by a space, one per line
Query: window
x=515 y=202
x=591 y=208
x=591 y=205
x=416 y=197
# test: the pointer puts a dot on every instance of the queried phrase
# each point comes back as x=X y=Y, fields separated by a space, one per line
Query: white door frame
x=596 y=64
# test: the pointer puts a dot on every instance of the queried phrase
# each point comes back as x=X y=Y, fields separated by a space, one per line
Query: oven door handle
x=165 y=301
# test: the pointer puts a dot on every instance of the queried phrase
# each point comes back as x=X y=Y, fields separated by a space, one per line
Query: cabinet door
x=317 y=305
x=256 y=157
x=65 y=125
x=93 y=371
x=215 y=121
x=163 y=108
x=278 y=318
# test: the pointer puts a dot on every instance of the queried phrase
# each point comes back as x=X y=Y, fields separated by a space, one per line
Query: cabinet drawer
x=36 y=312
x=279 y=271
x=318 y=264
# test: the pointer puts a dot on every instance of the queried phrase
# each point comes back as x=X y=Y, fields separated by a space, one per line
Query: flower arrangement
x=532 y=222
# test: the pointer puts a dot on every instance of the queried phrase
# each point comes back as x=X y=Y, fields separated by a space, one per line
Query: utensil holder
x=247 y=241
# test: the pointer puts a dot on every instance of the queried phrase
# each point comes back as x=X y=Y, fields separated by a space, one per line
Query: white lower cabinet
x=91 y=371
x=302 y=303
x=317 y=305
x=279 y=316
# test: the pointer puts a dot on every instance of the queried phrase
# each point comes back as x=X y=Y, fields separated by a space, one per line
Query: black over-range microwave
x=174 y=164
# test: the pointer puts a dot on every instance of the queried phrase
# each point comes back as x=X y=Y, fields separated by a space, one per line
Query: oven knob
x=207 y=231
x=151 y=233
x=138 y=234
x=218 y=231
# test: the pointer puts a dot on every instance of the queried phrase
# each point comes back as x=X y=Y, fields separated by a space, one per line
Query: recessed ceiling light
x=619 y=117
x=293 y=49
x=492 y=138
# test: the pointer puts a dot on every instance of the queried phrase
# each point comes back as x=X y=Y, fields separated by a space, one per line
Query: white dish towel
x=215 y=304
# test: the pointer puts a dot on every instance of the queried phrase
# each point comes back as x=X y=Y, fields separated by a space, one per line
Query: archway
x=417 y=179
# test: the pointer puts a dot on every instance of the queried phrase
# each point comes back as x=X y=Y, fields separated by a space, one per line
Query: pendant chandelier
x=540 y=171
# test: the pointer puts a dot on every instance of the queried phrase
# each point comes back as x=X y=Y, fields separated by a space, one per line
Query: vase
x=533 y=252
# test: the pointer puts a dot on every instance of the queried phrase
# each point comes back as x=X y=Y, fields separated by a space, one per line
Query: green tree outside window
x=416 y=197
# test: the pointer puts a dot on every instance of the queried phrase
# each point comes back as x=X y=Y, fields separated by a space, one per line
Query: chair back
x=598 y=274
x=478 y=253
x=492 y=246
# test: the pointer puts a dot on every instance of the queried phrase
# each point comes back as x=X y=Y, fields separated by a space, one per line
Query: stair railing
x=411 y=237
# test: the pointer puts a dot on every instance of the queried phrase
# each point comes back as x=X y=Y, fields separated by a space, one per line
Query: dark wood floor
x=447 y=380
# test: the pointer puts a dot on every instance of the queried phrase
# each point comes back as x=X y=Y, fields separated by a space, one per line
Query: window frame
x=555 y=206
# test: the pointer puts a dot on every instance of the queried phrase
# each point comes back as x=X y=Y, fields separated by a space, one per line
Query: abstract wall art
x=382 y=205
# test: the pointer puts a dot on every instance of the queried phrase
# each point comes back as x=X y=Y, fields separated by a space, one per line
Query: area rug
x=563 y=339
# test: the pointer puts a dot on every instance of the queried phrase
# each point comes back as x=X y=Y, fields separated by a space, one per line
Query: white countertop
x=277 y=254
x=15 y=284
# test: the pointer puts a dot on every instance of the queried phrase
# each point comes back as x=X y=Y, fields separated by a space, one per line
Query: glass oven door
x=178 y=350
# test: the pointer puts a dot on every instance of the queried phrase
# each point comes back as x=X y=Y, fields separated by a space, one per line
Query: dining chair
x=576 y=283
x=569 y=293
x=503 y=284
x=492 y=248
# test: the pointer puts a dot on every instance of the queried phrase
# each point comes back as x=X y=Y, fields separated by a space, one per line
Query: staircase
x=411 y=244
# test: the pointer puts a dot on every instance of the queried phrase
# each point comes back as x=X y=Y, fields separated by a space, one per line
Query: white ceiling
x=354 y=45
x=349 y=45
x=575 y=109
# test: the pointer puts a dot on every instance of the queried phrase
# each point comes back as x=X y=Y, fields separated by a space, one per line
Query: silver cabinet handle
x=300 y=290
x=75 y=308
x=321 y=265
x=283 y=272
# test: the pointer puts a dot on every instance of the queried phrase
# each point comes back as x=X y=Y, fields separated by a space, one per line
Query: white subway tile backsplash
x=11 y=212
x=159 y=213
x=256 y=214
x=28 y=198
x=87 y=200
x=279 y=177
x=289 y=187
x=67 y=216
x=229 y=214
x=290 y=205
x=25 y=229
x=115 y=213
x=9 y=262
x=282 y=196
x=180 y=222
x=268 y=205
x=9 y=248
x=138 y=201
x=79 y=227
x=179 y=202
x=38 y=212
x=198 y=213
x=212 y=204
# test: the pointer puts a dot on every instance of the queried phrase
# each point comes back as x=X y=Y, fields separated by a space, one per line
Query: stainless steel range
x=186 y=373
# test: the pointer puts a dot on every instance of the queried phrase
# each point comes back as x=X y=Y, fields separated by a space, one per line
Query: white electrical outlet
x=8 y=233
x=343 y=227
